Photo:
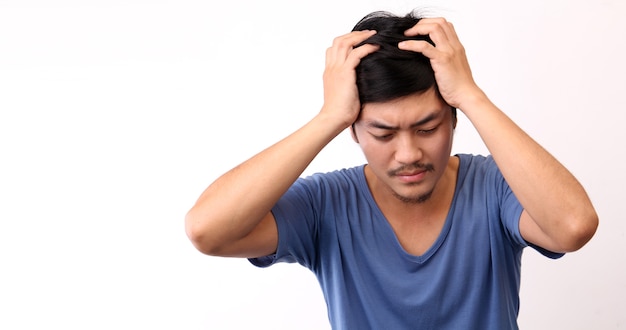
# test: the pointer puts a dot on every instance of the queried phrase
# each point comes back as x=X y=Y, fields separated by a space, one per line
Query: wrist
x=334 y=119
x=473 y=100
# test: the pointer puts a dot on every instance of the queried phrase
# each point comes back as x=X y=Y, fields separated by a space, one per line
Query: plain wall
x=115 y=115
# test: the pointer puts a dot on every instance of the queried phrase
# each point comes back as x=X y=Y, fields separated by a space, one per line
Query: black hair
x=390 y=72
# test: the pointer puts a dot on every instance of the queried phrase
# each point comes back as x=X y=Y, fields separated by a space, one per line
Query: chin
x=414 y=199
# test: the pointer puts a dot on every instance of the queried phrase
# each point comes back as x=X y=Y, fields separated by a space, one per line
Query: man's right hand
x=227 y=220
x=341 y=96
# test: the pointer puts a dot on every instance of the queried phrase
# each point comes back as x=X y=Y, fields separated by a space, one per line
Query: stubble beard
x=413 y=199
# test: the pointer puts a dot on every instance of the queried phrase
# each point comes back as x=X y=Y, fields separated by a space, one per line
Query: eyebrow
x=425 y=120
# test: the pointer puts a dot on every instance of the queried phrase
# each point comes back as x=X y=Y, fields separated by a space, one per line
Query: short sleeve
x=511 y=211
x=296 y=220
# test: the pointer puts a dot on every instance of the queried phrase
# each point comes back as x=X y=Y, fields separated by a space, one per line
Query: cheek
x=446 y=144
x=375 y=152
x=440 y=146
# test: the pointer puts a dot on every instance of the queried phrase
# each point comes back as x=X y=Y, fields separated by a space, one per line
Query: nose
x=408 y=150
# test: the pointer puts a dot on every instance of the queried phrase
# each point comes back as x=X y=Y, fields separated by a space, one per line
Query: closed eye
x=385 y=137
x=427 y=131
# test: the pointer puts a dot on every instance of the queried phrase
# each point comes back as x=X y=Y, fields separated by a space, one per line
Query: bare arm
x=558 y=214
x=229 y=220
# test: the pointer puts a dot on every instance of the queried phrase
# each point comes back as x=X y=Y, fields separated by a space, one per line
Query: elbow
x=579 y=232
x=199 y=234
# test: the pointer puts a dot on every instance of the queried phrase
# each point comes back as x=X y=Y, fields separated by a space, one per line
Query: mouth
x=411 y=174
x=411 y=177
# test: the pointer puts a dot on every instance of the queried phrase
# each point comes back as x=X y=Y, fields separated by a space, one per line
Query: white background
x=115 y=115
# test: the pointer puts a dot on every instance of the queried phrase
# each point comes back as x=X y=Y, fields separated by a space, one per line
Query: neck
x=434 y=202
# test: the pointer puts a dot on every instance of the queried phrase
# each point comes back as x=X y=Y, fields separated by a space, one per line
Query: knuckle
x=338 y=41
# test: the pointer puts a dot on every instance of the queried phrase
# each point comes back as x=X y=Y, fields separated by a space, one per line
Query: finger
x=446 y=27
x=451 y=31
x=418 y=28
x=438 y=29
x=357 y=54
x=343 y=45
x=419 y=46
x=350 y=40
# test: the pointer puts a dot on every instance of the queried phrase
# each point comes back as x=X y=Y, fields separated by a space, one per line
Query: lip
x=411 y=177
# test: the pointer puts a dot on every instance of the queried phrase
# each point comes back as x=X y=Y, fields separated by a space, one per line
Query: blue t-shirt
x=468 y=279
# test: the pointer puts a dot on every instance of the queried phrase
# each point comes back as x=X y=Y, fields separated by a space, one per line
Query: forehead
x=409 y=108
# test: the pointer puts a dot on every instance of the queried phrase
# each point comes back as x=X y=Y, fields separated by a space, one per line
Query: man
x=415 y=238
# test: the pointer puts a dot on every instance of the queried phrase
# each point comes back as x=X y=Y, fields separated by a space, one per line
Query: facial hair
x=409 y=168
x=413 y=200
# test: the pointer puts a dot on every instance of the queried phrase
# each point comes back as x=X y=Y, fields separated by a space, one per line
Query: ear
x=353 y=133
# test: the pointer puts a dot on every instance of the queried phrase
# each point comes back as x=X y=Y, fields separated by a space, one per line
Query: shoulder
x=476 y=166
x=344 y=172
x=478 y=172
x=350 y=175
x=325 y=185
x=475 y=161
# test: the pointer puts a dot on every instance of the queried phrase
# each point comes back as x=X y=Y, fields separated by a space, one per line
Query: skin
x=407 y=144
x=558 y=215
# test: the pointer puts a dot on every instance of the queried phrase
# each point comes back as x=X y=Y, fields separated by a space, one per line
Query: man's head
x=390 y=72
x=405 y=128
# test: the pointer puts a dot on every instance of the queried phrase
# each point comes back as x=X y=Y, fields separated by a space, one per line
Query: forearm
x=549 y=193
x=232 y=206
